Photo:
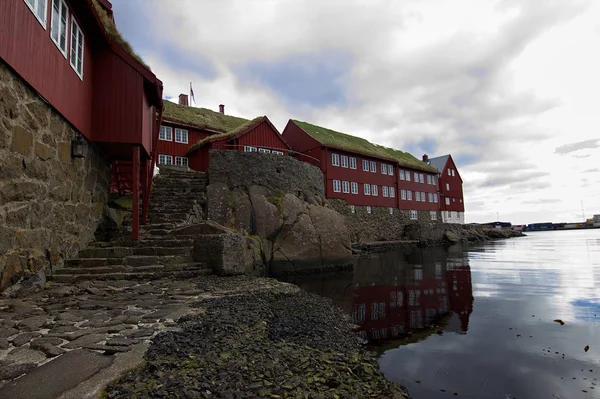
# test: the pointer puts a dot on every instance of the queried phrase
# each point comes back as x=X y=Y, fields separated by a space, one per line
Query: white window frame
x=264 y=150
x=369 y=209
x=277 y=152
x=435 y=197
x=75 y=28
x=346 y=187
x=391 y=210
x=352 y=209
x=449 y=172
x=60 y=23
x=335 y=159
x=34 y=6
x=453 y=172
x=428 y=179
x=352 y=163
x=414 y=215
x=392 y=192
x=250 y=148
x=354 y=187
x=337 y=186
x=430 y=197
x=181 y=161
x=390 y=170
x=367 y=189
x=373 y=166
x=434 y=180
x=165 y=157
x=383 y=169
x=365 y=165
x=403 y=195
x=417 y=196
x=433 y=215
x=344 y=161
x=384 y=191
x=448 y=186
x=401 y=174
x=447 y=201
x=163 y=131
x=423 y=197
x=422 y=178
x=374 y=190
x=181 y=132
x=409 y=195
x=407 y=175
x=415 y=177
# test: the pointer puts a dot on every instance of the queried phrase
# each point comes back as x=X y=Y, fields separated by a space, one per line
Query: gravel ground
x=276 y=343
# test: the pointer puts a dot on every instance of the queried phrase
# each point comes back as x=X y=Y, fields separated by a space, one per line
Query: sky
x=510 y=88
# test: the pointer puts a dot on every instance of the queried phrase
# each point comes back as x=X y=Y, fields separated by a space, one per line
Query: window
x=367 y=189
x=352 y=209
x=428 y=179
x=409 y=195
x=422 y=178
x=58 y=25
x=391 y=170
x=181 y=136
x=249 y=148
x=369 y=210
x=391 y=211
x=38 y=7
x=277 y=152
x=460 y=200
x=373 y=166
x=434 y=180
x=430 y=197
x=433 y=215
x=335 y=159
x=181 y=161
x=354 y=188
x=414 y=215
x=383 y=169
x=346 y=187
x=448 y=186
x=344 y=161
x=384 y=191
x=401 y=174
x=453 y=172
x=76 y=48
x=403 y=194
x=374 y=190
x=449 y=172
x=447 y=201
x=435 y=197
x=417 y=196
x=392 y=192
x=352 y=163
x=166 y=133
x=337 y=186
x=407 y=175
x=416 y=175
x=422 y=197
x=264 y=150
x=165 y=159
x=365 y=165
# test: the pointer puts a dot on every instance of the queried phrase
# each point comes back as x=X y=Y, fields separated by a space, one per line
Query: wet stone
x=139 y=333
x=46 y=340
x=34 y=323
x=24 y=338
x=101 y=323
x=14 y=370
x=4 y=343
x=128 y=319
x=85 y=340
x=109 y=350
x=7 y=332
x=121 y=341
x=66 y=316
x=7 y=323
x=134 y=312
x=95 y=291
x=25 y=355
x=49 y=349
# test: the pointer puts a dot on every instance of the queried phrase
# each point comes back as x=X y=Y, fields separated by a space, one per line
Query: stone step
x=109 y=269
x=71 y=278
x=163 y=251
x=151 y=241
x=182 y=257
x=167 y=226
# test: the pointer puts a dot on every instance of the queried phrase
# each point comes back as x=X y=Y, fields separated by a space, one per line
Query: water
x=478 y=322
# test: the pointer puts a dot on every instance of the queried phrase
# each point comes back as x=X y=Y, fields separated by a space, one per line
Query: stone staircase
x=177 y=199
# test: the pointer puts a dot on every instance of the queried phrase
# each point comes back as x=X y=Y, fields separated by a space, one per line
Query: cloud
x=591 y=170
x=568 y=148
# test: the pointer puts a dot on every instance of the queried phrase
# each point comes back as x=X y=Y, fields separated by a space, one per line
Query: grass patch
x=278 y=200
x=230 y=134
x=201 y=118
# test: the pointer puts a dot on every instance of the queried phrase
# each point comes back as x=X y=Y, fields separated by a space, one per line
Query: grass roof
x=201 y=118
x=343 y=141
x=114 y=33
x=226 y=135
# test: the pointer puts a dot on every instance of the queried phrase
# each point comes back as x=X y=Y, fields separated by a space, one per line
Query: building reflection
x=411 y=290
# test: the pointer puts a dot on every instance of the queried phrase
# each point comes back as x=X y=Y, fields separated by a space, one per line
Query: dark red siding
x=418 y=187
x=455 y=193
x=27 y=47
x=180 y=149
x=263 y=136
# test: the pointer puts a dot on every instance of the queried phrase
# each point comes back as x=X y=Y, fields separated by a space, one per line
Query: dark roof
x=439 y=162
x=343 y=141
x=201 y=118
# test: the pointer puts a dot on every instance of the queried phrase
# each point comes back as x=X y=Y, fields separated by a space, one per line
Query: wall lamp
x=78 y=147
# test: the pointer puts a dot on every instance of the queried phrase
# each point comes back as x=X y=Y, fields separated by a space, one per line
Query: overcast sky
x=510 y=88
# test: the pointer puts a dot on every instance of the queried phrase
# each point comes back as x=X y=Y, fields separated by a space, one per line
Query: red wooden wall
x=418 y=187
x=264 y=136
x=179 y=149
x=456 y=192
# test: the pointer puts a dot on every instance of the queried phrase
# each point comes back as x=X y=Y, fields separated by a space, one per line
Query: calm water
x=478 y=321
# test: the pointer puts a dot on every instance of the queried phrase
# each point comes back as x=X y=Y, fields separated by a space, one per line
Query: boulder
x=242 y=208
x=452 y=237
x=202 y=228
x=267 y=219
x=218 y=203
x=227 y=254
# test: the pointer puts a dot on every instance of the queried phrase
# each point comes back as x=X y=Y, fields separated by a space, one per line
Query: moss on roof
x=225 y=135
x=201 y=118
x=343 y=141
x=114 y=33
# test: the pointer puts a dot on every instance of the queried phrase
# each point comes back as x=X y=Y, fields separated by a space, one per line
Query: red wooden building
x=451 y=191
x=72 y=55
x=366 y=174
x=187 y=135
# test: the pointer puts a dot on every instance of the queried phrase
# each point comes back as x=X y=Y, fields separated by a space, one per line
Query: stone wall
x=50 y=204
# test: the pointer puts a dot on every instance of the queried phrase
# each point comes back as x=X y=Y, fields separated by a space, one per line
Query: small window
x=165 y=159
x=181 y=161
x=453 y=172
x=403 y=194
x=384 y=191
x=77 y=47
x=416 y=177
x=374 y=190
x=417 y=196
x=390 y=170
x=352 y=163
x=277 y=152
x=335 y=159
x=447 y=201
x=369 y=210
x=383 y=169
x=401 y=174
x=422 y=197
x=367 y=189
x=449 y=172
x=433 y=215
x=264 y=150
x=354 y=188
x=422 y=178
x=249 y=148
x=407 y=175
x=38 y=8
x=435 y=197
x=181 y=136
x=365 y=165
x=409 y=195
x=430 y=197
x=448 y=186
x=391 y=210
x=352 y=209
x=414 y=215
x=346 y=187
x=344 y=161
x=373 y=166
x=434 y=180
x=428 y=179
x=392 y=192
x=337 y=186
x=460 y=200
x=58 y=25
x=166 y=133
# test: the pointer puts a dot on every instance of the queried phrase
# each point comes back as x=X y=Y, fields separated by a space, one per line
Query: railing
x=292 y=153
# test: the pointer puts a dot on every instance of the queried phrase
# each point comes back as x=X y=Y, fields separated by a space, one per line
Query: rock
x=25 y=355
x=225 y=254
x=7 y=332
x=218 y=203
x=139 y=333
x=49 y=349
x=46 y=340
x=452 y=237
x=109 y=350
x=4 y=344
x=85 y=340
x=24 y=338
x=267 y=215
x=15 y=370
x=121 y=341
x=292 y=208
x=34 y=323
x=242 y=208
x=95 y=291
x=63 y=329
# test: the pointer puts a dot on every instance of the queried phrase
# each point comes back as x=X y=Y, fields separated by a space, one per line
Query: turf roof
x=201 y=118
x=114 y=34
x=225 y=135
x=343 y=141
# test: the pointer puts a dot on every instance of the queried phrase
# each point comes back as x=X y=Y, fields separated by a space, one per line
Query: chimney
x=183 y=100
x=222 y=109
x=425 y=158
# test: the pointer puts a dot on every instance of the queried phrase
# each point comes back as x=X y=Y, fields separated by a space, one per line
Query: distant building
x=596 y=218
x=452 y=203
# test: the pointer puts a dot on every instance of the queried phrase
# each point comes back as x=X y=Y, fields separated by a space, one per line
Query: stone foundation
x=50 y=203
